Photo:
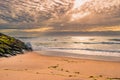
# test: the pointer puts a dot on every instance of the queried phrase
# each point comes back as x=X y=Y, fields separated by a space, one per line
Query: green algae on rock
x=10 y=46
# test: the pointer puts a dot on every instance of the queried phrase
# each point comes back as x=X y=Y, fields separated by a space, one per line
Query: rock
x=29 y=46
x=9 y=46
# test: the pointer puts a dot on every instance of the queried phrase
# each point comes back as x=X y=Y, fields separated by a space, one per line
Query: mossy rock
x=10 y=45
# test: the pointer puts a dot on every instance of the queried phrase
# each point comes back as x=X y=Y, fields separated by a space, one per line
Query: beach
x=34 y=66
x=59 y=39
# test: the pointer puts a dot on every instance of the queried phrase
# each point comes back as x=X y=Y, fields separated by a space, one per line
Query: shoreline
x=79 y=56
x=41 y=53
x=35 y=66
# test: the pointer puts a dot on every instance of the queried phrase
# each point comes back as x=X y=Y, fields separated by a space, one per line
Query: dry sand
x=33 y=66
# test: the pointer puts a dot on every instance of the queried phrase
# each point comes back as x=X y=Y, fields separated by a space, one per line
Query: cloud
x=104 y=28
x=43 y=29
x=37 y=16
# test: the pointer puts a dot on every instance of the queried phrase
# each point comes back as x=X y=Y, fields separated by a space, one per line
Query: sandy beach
x=33 y=66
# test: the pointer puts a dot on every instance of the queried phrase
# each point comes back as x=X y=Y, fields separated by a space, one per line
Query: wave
x=89 y=49
x=48 y=43
x=114 y=39
x=98 y=42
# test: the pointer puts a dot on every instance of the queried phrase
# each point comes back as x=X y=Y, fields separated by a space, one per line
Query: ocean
x=77 y=46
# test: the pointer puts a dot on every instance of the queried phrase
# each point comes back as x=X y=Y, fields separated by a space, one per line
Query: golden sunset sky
x=38 y=16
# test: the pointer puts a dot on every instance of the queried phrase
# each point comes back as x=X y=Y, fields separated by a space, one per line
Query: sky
x=38 y=17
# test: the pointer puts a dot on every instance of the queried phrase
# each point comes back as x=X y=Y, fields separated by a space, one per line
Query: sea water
x=80 y=45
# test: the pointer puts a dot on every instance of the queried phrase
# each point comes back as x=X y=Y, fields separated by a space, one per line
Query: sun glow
x=44 y=29
x=79 y=3
x=78 y=38
x=78 y=16
x=76 y=11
